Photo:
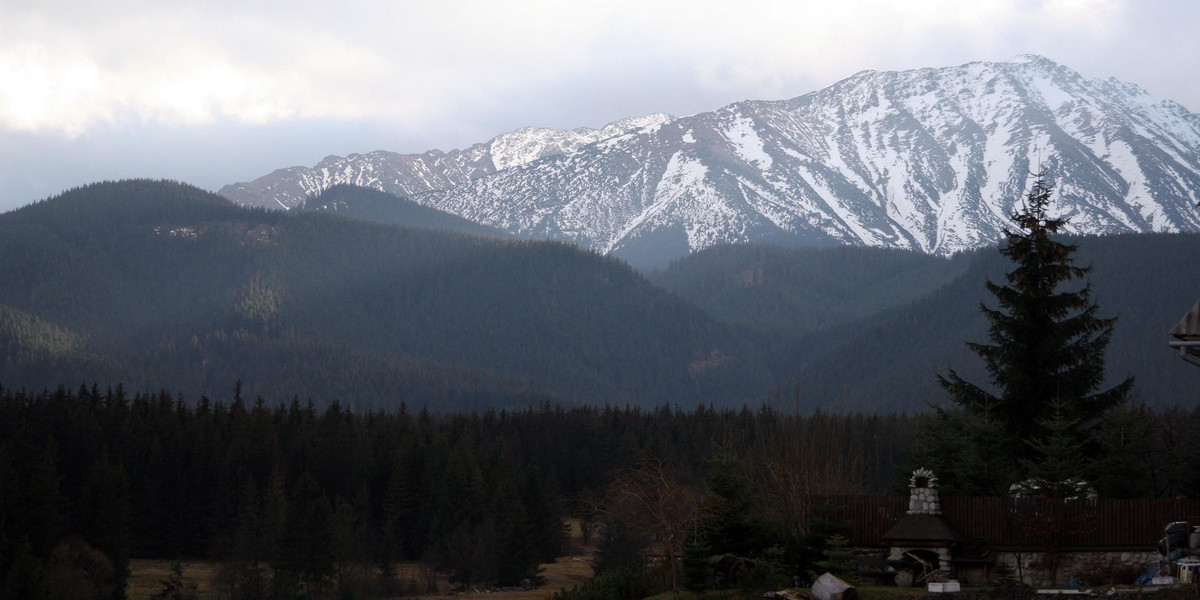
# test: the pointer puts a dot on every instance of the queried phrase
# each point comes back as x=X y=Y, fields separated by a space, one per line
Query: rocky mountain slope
x=368 y=204
x=931 y=160
x=408 y=174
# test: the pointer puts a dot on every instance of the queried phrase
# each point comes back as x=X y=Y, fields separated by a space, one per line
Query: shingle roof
x=1188 y=328
x=922 y=528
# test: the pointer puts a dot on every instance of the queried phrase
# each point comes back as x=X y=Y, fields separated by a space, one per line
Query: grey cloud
x=408 y=77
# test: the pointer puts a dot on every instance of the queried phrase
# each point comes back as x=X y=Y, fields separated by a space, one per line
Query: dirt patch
x=564 y=573
x=147 y=576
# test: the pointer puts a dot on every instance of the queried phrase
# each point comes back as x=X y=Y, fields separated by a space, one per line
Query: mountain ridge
x=369 y=204
x=159 y=284
x=931 y=159
x=409 y=174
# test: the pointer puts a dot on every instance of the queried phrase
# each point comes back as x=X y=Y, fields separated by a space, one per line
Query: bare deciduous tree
x=802 y=460
x=652 y=499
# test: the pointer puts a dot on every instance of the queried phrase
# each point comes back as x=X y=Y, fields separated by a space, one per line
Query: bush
x=839 y=560
x=1101 y=570
x=175 y=588
x=620 y=584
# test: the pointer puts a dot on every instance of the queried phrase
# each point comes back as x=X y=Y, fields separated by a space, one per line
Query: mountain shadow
x=170 y=286
x=367 y=204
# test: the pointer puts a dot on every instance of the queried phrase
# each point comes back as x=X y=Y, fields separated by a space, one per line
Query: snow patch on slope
x=1051 y=94
x=748 y=144
x=525 y=145
x=931 y=159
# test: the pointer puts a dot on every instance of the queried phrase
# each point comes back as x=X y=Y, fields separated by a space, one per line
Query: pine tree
x=1058 y=459
x=729 y=521
x=839 y=560
x=619 y=546
x=395 y=518
x=1045 y=351
x=956 y=446
x=307 y=550
x=697 y=576
x=106 y=517
x=1126 y=444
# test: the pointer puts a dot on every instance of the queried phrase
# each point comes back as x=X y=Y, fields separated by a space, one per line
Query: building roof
x=1188 y=328
x=922 y=528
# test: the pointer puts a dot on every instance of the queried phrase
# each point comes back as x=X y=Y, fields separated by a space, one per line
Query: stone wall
x=1120 y=565
x=924 y=501
x=1115 y=566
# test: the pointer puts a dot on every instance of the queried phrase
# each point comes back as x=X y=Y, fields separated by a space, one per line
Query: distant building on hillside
x=1187 y=336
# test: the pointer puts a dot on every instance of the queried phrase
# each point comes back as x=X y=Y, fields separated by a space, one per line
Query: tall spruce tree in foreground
x=1045 y=360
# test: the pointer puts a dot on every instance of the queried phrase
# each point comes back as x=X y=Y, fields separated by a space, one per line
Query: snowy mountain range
x=933 y=160
x=412 y=174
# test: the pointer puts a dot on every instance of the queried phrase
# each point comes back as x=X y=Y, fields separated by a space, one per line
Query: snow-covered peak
x=528 y=144
x=931 y=159
x=1024 y=59
x=634 y=124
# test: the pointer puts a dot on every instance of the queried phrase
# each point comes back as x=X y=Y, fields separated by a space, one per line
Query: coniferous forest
x=300 y=491
x=339 y=397
x=288 y=494
x=161 y=285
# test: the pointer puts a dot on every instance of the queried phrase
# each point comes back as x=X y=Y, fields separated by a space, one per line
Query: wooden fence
x=1007 y=522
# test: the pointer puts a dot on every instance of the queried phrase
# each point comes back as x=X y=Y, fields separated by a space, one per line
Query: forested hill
x=366 y=204
x=866 y=329
x=159 y=284
x=805 y=289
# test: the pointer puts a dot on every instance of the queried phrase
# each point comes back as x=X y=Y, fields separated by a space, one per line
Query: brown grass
x=565 y=572
x=147 y=577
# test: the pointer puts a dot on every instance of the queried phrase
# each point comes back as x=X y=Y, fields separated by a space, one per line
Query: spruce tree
x=1058 y=459
x=390 y=549
x=839 y=560
x=697 y=576
x=1045 y=355
x=306 y=548
x=1126 y=448
x=106 y=517
x=620 y=546
x=729 y=520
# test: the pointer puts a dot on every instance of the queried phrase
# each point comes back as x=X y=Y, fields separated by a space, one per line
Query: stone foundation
x=1076 y=565
x=1121 y=566
x=942 y=563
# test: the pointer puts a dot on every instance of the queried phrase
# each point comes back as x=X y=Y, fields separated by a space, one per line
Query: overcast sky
x=220 y=91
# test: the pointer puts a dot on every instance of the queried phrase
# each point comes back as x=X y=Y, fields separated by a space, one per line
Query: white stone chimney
x=923 y=494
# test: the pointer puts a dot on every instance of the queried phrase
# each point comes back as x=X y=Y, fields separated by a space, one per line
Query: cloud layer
x=449 y=73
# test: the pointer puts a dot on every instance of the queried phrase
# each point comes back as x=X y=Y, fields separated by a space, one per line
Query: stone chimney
x=923 y=494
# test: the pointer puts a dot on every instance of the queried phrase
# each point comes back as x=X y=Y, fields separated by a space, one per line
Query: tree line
x=287 y=495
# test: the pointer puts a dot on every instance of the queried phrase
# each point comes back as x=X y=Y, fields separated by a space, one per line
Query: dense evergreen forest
x=301 y=493
x=288 y=494
x=162 y=285
x=159 y=284
x=881 y=324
